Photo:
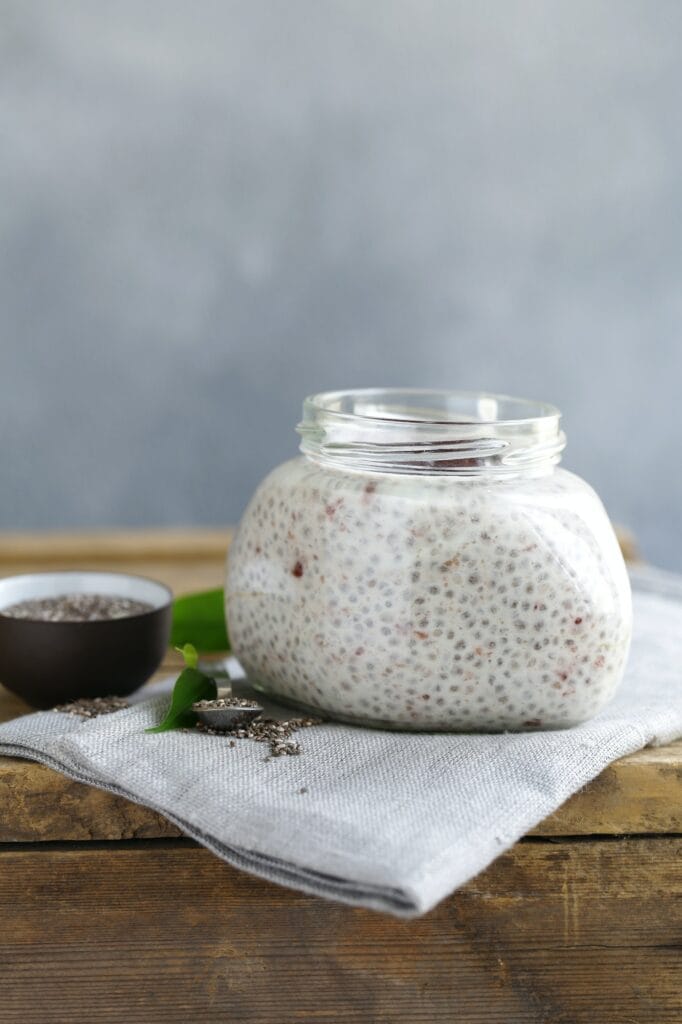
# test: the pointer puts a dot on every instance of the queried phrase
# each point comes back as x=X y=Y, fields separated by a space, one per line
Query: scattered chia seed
x=77 y=608
x=91 y=707
x=267 y=730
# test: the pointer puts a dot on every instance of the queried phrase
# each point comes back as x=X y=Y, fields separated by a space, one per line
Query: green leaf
x=189 y=653
x=200 y=618
x=190 y=686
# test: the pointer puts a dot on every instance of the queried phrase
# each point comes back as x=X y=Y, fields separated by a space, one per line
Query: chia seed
x=77 y=608
x=267 y=730
x=92 y=707
x=224 y=702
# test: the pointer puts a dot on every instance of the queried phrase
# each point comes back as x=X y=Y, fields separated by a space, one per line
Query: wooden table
x=107 y=914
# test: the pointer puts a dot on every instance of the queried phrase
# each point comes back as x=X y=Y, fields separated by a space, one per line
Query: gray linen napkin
x=392 y=821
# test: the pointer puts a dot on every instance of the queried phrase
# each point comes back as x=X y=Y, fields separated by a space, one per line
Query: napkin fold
x=391 y=821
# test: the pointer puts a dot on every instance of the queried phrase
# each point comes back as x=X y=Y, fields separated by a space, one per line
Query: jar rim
x=360 y=400
x=404 y=431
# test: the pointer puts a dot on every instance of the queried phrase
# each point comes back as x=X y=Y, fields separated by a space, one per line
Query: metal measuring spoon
x=226 y=712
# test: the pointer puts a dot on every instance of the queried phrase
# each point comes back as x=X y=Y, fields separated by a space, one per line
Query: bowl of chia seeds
x=69 y=635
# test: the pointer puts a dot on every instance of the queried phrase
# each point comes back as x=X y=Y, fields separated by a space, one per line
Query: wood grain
x=184 y=560
x=171 y=545
x=640 y=793
x=568 y=933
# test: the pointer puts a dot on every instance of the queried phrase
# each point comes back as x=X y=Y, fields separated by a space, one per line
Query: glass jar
x=424 y=564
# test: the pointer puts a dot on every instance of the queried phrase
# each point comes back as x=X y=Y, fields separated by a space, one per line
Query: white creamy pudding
x=430 y=598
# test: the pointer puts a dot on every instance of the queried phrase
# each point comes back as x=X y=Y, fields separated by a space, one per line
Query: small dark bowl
x=50 y=663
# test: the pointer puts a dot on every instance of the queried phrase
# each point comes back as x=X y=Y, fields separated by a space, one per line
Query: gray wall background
x=209 y=210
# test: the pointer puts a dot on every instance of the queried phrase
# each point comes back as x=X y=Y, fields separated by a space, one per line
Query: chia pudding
x=450 y=578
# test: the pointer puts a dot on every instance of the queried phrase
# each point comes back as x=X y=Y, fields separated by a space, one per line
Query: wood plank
x=170 y=545
x=185 y=560
x=584 y=932
x=641 y=793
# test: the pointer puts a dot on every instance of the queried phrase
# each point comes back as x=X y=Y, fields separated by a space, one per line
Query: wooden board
x=641 y=793
x=183 y=559
x=163 y=933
